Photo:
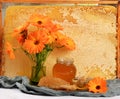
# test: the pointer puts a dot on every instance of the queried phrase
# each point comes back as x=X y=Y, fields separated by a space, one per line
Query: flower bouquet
x=39 y=42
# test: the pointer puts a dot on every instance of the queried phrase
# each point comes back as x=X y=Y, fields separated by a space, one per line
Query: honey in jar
x=64 y=69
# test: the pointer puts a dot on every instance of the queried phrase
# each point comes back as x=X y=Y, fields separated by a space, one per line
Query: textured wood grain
x=1 y=32
x=118 y=47
x=65 y=1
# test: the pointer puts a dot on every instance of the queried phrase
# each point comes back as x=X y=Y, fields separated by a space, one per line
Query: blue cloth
x=22 y=83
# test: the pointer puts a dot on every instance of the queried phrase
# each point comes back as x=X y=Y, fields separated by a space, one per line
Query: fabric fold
x=22 y=83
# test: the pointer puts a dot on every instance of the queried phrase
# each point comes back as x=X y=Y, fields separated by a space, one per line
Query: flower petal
x=97 y=85
x=9 y=50
x=35 y=42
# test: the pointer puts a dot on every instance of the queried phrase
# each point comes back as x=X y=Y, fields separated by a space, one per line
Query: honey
x=64 y=69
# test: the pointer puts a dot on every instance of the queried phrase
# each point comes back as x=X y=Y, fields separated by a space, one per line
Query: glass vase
x=37 y=74
x=39 y=70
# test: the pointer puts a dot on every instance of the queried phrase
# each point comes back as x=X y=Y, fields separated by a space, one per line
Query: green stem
x=40 y=60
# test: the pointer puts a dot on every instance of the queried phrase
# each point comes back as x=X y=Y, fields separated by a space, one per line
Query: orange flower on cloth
x=35 y=42
x=9 y=50
x=97 y=85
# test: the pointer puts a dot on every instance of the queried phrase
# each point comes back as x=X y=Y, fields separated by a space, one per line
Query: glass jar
x=64 y=69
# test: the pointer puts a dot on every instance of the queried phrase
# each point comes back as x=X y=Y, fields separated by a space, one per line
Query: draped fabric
x=22 y=83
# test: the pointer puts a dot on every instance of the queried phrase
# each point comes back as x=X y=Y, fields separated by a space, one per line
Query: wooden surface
x=1 y=38
x=118 y=48
x=64 y=1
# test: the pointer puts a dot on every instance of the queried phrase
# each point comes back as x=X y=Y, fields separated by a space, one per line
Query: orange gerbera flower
x=9 y=50
x=52 y=28
x=21 y=33
x=97 y=85
x=51 y=39
x=21 y=38
x=20 y=29
x=65 y=41
x=39 y=20
x=35 y=42
x=69 y=44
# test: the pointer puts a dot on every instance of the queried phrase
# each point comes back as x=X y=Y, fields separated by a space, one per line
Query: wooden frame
x=64 y=1
x=118 y=38
x=0 y=38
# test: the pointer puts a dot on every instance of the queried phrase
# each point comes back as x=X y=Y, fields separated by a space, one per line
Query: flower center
x=39 y=22
x=36 y=42
x=98 y=87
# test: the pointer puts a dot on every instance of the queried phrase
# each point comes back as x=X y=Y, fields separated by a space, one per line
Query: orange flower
x=39 y=20
x=9 y=51
x=20 y=33
x=22 y=27
x=97 y=85
x=69 y=44
x=35 y=42
x=65 y=41
x=21 y=38
x=51 y=39
x=52 y=28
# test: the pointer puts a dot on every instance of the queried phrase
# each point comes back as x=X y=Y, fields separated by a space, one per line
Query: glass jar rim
x=65 y=60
